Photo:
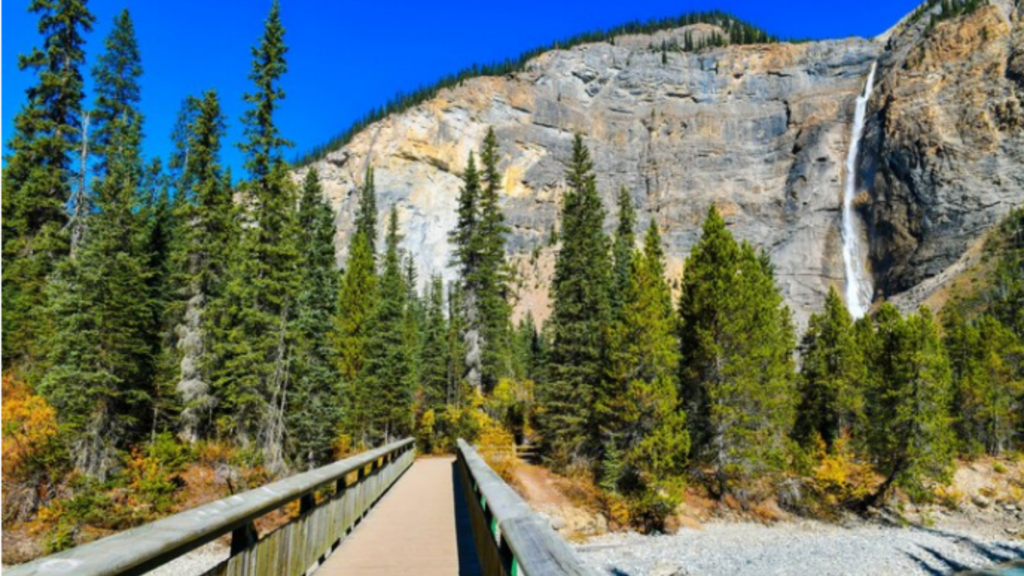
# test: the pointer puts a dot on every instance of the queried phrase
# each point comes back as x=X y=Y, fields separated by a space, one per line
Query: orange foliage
x=29 y=425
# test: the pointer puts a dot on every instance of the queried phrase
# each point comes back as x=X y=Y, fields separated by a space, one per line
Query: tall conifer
x=832 y=376
x=315 y=399
x=737 y=370
x=101 y=353
x=580 y=319
x=622 y=249
x=908 y=401
x=38 y=177
x=492 y=282
x=387 y=375
x=253 y=339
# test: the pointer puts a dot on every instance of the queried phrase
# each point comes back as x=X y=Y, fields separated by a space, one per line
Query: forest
x=163 y=315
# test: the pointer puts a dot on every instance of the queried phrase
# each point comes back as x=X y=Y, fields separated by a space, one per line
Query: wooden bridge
x=383 y=512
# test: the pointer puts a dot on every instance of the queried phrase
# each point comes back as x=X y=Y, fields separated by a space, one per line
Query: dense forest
x=161 y=315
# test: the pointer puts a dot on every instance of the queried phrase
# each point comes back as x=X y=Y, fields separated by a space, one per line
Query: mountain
x=762 y=131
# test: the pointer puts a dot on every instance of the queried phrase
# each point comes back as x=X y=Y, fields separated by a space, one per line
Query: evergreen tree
x=263 y=141
x=205 y=237
x=181 y=135
x=492 y=282
x=315 y=399
x=101 y=353
x=414 y=321
x=388 y=370
x=580 y=319
x=642 y=419
x=832 y=376
x=468 y=254
x=987 y=367
x=622 y=249
x=253 y=338
x=527 y=349
x=908 y=401
x=38 y=176
x=159 y=237
x=737 y=372
x=456 y=347
x=117 y=90
x=434 y=359
x=366 y=212
x=357 y=302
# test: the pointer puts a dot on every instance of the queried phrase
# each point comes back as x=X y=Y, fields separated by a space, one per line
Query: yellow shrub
x=840 y=477
x=497 y=447
x=949 y=497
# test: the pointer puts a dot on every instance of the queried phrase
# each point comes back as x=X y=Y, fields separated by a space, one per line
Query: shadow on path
x=469 y=564
x=940 y=564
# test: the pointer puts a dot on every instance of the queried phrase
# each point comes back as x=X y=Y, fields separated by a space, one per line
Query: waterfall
x=858 y=282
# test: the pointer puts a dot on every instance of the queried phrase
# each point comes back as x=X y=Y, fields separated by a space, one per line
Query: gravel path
x=796 y=549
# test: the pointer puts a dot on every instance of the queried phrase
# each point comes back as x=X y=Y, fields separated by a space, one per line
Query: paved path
x=420 y=527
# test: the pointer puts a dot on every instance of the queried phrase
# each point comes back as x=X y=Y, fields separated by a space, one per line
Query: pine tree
x=101 y=352
x=987 y=367
x=206 y=232
x=315 y=399
x=527 y=349
x=117 y=90
x=1001 y=372
x=414 y=321
x=832 y=376
x=184 y=120
x=366 y=212
x=641 y=417
x=456 y=388
x=492 y=281
x=388 y=371
x=737 y=373
x=159 y=238
x=580 y=319
x=622 y=250
x=468 y=255
x=357 y=302
x=908 y=402
x=252 y=339
x=38 y=178
x=434 y=358
x=263 y=142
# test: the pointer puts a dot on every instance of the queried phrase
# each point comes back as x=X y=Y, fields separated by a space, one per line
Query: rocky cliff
x=759 y=131
x=943 y=153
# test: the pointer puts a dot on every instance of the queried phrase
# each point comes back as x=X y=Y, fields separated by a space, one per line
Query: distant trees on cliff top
x=739 y=32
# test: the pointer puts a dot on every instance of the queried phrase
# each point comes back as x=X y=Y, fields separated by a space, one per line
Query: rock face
x=760 y=131
x=944 y=147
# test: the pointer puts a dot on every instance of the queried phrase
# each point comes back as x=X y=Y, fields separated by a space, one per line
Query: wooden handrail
x=318 y=528
x=511 y=539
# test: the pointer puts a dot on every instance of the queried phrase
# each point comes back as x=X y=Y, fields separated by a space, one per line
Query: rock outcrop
x=944 y=147
x=759 y=131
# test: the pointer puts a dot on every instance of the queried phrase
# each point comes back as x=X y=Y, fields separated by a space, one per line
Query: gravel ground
x=796 y=549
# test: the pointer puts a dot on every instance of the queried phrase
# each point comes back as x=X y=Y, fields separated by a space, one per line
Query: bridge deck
x=419 y=527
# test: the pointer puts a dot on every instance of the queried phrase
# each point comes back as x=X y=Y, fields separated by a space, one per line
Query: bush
x=153 y=476
x=35 y=460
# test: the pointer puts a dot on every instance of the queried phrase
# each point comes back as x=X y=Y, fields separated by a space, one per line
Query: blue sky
x=346 y=57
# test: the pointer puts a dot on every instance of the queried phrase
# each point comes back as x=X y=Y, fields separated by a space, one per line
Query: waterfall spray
x=858 y=283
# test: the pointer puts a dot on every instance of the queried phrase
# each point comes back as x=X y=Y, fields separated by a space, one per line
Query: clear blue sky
x=346 y=56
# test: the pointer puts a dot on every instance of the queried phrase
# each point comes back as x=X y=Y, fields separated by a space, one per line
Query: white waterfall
x=858 y=282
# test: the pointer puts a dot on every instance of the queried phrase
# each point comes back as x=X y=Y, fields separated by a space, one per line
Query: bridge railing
x=287 y=551
x=511 y=539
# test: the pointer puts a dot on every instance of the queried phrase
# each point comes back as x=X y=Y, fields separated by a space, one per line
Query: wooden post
x=243 y=537
x=307 y=503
